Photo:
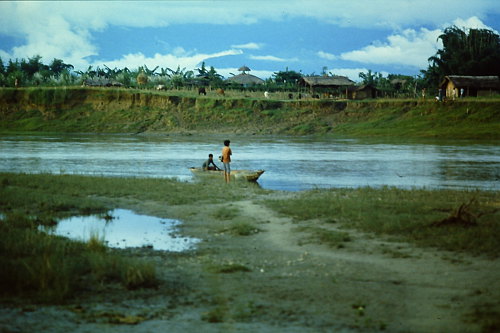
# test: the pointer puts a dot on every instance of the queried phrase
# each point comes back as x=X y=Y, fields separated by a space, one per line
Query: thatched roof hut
x=244 y=69
x=328 y=82
x=245 y=79
x=325 y=83
x=461 y=85
x=362 y=92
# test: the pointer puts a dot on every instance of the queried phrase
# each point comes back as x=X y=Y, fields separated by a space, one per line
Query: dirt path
x=413 y=289
x=281 y=280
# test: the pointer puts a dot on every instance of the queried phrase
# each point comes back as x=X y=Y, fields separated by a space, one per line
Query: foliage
x=287 y=80
x=209 y=77
x=465 y=52
x=33 y=72
x=393 y=85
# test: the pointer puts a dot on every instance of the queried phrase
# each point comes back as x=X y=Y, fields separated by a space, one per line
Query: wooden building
x=457 y=86
x=365 y=91
x=325 y=83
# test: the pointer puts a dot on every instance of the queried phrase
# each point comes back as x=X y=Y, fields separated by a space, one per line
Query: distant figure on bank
x=266 y=94
x=226 y=160
x=209 y=164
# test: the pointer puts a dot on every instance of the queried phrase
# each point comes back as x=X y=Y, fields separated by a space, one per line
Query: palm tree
x=472 y=52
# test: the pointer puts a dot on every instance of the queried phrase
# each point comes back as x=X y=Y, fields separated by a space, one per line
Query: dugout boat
x=248 y=175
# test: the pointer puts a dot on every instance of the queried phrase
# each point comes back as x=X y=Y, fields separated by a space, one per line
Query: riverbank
x=99 y=110
x=315 y=261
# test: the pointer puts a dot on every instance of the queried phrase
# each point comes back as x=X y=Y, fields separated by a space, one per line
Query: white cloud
x=64 y=29
x=351 y=73
x=327 y=56
x=471 y=23
x=249 y=46
x=272 y=58
x=391 y=13
x=409 y=48
x=178 y=59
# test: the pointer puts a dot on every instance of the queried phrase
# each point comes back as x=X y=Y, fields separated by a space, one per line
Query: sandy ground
x=280 y=280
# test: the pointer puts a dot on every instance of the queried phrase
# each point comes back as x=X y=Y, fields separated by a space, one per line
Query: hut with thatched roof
x=365 y=91
x=325 y=83
x=245 y=79
x=474 y=86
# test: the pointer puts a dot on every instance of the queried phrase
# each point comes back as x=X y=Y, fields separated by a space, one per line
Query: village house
x=326 y=84
x=244 y=79
x=456 y=86
x=365 y=91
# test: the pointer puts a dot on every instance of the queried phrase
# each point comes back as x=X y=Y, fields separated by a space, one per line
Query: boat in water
x=248 y=175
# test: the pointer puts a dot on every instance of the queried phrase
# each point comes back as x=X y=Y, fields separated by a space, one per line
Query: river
x=290 y=163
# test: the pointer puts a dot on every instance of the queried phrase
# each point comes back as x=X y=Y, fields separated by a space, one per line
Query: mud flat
x=260 y=270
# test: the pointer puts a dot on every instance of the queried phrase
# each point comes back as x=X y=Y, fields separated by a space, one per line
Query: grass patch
x=331 y=238
x=243 y=228
x=48 y=268
x=229 y=268
x=225 y=213
x=410 y=215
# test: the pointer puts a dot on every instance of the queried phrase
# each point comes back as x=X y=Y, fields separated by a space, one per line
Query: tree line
x=464 y=52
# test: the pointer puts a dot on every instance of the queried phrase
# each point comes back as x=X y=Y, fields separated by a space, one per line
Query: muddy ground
x=280 y=280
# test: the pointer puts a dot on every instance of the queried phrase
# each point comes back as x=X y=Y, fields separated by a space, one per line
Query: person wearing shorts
x=226 y=160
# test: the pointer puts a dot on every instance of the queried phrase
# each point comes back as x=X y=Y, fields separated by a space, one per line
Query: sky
x=345 y=37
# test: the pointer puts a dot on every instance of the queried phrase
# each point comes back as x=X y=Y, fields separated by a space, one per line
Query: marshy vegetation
x=51 y=268
x=48 y=268
x=461 y=221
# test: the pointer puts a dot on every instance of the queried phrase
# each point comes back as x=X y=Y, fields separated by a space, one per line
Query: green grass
x=48 y=268
x=331 y=238
x=111 y=110
x=411 y=215
x=51 y=269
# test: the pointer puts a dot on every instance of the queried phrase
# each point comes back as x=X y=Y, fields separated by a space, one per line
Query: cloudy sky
x=346 y=37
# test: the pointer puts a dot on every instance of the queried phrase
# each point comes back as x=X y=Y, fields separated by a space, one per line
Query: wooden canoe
x=249 y=175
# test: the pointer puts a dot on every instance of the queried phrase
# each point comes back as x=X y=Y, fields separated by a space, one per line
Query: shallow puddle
x=126 y=229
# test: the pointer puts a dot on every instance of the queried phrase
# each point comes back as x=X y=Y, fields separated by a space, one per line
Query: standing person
x=226 y=160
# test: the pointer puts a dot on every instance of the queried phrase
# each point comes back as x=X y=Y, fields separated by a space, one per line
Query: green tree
x=57 y=67
x=286 y=79
x=465 y=52
x=370 y=77
x=208 y=77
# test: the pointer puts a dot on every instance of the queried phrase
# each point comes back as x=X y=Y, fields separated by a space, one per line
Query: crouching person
x=209 y=164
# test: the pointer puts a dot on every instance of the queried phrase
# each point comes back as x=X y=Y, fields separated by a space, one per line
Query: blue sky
x=346 y=37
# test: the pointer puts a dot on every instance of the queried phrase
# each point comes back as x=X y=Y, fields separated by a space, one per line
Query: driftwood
x=466 y=215
x=462 y=216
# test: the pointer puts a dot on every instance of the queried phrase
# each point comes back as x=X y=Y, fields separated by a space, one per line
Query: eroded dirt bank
x=98 y=110
x=279 y=280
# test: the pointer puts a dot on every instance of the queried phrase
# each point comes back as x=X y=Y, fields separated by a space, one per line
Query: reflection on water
x=126 y=229
x=291 y=163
